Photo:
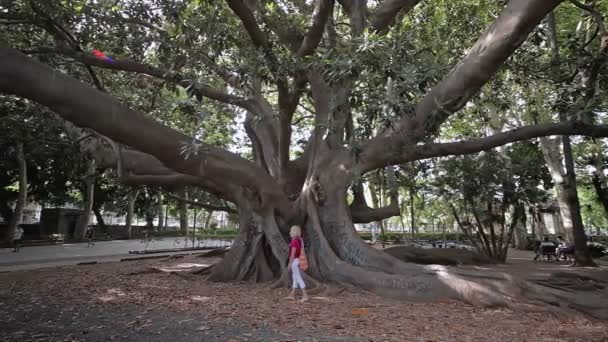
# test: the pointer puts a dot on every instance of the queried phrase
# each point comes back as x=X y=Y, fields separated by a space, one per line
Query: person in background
x=295 y=248
x=17 y=239
x=545 y=244
x=537 y=249
x=564 y=248
x=90 y=235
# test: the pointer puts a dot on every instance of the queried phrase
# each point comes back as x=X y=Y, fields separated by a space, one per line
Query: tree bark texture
x=17 y=216
x=99 y=217
x=183 y=212
x=88 y=195
x=567 y=197
x=160 y=211
x=131 y=198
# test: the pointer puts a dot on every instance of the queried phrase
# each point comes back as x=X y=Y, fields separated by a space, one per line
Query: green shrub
x=598 y=250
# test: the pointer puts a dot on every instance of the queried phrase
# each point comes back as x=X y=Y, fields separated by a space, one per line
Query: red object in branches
x=101 y=55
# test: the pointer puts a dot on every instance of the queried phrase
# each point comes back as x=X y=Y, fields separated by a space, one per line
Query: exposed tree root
x=438 y=256
x=339 y=259
x=218 y=252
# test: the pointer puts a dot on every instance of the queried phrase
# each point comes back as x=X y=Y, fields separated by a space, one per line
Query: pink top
x=296 y=243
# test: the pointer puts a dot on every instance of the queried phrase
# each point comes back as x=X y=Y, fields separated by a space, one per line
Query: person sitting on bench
x=565 y=249
x=546 y=248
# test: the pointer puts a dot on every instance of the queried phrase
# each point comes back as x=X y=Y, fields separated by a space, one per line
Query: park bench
x=547 y=252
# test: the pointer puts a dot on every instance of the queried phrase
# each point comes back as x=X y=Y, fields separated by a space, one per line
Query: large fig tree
x=280 y=64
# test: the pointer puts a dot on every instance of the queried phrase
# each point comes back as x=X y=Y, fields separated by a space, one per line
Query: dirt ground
x=123 y=302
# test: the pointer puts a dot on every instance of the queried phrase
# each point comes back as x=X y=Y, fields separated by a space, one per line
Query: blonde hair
x=295 y=231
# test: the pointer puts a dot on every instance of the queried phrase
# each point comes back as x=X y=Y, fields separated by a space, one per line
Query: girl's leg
x=294 y=285
x=297 y=279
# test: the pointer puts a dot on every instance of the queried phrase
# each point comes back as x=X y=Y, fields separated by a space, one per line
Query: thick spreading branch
x=361 y=212
x=134 y=167
x=484 y=59
x=143 y=68
x=432 y=150
x=387 y=11
x=87 y=107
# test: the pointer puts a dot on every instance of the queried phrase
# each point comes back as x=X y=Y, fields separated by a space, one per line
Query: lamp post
x=194 y=227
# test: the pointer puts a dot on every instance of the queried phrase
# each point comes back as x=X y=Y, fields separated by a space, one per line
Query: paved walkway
x=72 y=253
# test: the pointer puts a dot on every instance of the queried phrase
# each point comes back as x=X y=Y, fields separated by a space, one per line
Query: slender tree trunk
x=166 y=222
x=208 y=220
x=565 y=179
x=521 y=234
x=17 y=216
x=573 y=222
x=161 y=211
x=412 y=213
x=401 y=211
x=567 y=196
x=88 y=198
x=467 y=232
x=132 y=197
x=99 y=217
x=183 y=212
x=376 y=203
x=493 y=239
x=533 y=222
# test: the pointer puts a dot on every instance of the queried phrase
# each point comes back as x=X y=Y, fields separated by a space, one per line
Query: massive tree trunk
x=132 y=197
x=17 y=216
x=88 y=195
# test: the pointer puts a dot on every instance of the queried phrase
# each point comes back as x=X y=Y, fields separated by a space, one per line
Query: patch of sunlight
x=467 y=289
x=189 y=265
x=111 y=295
x=117 y=292
x=149 y=286
x=196 y=298
x=481 y=268
x=106 y=298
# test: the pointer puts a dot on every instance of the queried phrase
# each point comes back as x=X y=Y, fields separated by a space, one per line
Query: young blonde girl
x=295 y=248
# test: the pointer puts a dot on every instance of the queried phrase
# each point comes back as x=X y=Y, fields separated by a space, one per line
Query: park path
x=33 y=257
